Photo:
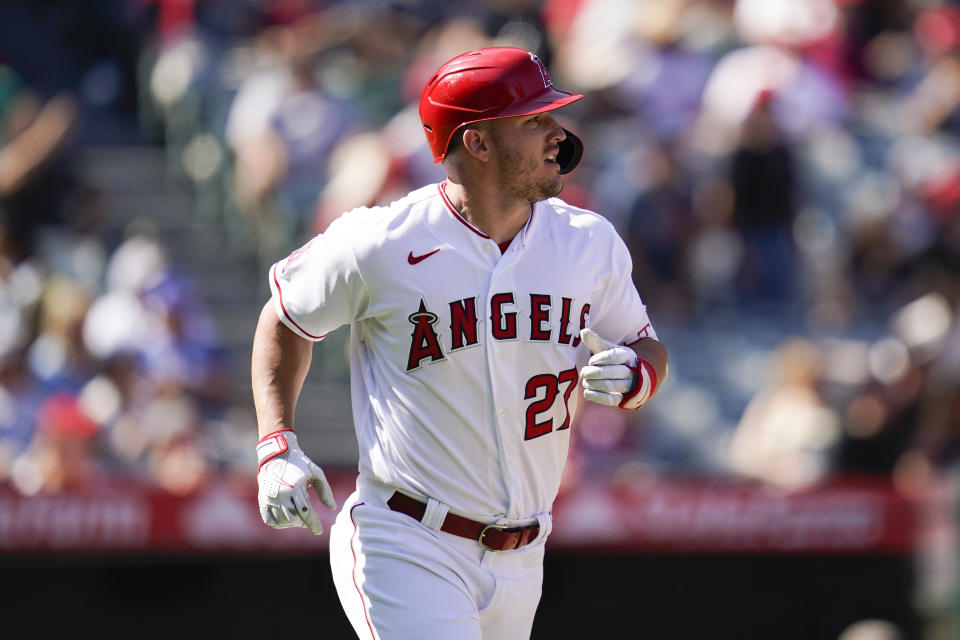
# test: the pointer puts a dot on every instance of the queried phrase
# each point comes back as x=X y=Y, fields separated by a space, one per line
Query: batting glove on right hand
x=285 y=472
x=614 y=375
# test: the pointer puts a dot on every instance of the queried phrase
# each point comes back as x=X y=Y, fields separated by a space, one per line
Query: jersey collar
x=520 y=237
x=456 y=214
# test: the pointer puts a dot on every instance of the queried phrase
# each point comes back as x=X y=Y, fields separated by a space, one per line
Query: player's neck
x=488 y=212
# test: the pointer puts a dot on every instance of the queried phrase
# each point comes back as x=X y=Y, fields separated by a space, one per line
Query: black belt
x=492 y=537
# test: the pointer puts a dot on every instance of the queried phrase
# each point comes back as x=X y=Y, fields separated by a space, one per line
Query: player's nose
x=556 y=132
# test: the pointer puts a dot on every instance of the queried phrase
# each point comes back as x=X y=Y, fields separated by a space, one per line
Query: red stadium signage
x=844 y=516
x=670 y=515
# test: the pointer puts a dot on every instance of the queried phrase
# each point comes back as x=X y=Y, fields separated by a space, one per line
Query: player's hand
x=285 y=473
x=614 y=375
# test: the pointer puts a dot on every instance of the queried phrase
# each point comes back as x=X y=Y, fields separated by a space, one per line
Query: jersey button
x=502 y=412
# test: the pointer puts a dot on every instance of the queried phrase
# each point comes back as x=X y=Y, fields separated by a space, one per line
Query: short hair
x=456 y=139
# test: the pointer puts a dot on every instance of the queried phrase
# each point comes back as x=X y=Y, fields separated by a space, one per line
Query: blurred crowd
x=787 y=175
x=110 y=363
x=785 y=172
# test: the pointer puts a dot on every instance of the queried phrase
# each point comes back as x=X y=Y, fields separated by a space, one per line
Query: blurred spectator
x=57 y=356
x=659 y=232
x=173 y=452
x=932 y=104
x=20 y=399
x=880 y=425
x=34 y=180
x=281 y=128
x=715 y=251
x=788 y=432
x=63 y=455
x=908 y=415
x=762 y=176
x=151 y=309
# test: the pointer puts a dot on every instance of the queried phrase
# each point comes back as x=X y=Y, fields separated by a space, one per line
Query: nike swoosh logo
x=412 y=259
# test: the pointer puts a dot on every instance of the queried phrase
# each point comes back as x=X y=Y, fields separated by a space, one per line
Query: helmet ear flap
x=571 y=150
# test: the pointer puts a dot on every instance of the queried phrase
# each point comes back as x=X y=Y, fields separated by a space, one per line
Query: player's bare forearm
x=653 y=351
x=279 y=365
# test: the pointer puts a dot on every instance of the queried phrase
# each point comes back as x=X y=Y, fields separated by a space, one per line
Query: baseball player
x=476 y=307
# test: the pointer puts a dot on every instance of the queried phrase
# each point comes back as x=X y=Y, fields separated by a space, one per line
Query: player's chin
x=543 y=190
x=552 y=187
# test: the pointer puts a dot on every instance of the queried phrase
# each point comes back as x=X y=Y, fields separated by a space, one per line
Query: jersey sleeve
x=318 y=287
x=621 y=315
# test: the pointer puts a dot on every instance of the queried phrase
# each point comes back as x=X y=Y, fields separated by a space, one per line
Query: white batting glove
x=284 y=475
x=614 y=376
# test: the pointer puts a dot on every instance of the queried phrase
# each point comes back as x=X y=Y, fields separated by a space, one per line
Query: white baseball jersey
x=463 y=360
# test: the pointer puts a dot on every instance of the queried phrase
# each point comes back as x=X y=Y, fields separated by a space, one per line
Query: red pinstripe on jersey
x=456 y=214
x=276 y=281
x=363 y=603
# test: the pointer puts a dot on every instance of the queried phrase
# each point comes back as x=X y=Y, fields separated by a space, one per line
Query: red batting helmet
x=498 y=82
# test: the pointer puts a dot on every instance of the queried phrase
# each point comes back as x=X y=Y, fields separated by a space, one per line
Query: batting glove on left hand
x=614 y=375
x=285 y=473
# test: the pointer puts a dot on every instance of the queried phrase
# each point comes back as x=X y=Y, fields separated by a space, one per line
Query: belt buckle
x=483 y=532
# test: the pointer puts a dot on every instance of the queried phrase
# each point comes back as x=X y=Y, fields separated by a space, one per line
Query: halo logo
x=543 y=70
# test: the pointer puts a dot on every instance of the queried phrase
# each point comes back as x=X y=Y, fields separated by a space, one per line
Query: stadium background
x=786 y=172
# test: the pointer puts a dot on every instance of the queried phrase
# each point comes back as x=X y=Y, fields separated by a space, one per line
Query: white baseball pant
x=400 y=579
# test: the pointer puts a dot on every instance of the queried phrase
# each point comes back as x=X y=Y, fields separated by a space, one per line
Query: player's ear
x=475 y=142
